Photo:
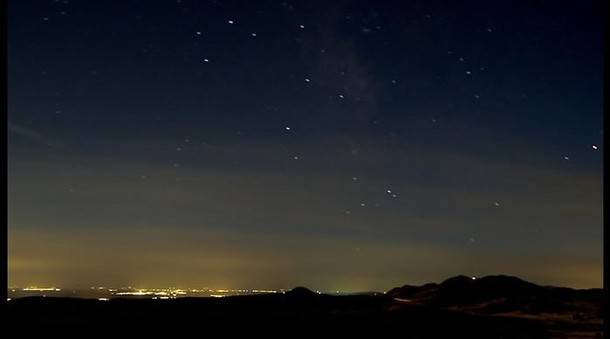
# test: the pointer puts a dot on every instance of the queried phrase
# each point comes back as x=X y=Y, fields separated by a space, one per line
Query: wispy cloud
x=30 y=134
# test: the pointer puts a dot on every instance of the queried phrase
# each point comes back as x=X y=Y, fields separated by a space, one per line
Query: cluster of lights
x=154 y=293
x=157 y=292
x=173 y=293
x=41 y=289
x=264 y=291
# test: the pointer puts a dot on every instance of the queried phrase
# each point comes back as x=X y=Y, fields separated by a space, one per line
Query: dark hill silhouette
x=500 y=294
x=301 y=292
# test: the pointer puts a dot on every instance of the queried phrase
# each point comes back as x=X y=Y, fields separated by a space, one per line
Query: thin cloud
x=31 y=134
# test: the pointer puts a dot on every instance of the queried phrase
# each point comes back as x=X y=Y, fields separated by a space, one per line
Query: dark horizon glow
x=344 y=145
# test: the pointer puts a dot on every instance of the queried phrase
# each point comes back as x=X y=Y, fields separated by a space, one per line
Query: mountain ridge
x=497 y=294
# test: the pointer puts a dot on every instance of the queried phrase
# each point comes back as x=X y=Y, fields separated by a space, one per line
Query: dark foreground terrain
x=490 y=307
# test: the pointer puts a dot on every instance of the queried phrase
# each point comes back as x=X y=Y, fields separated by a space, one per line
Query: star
x=565 y=157
x=198 y=33
x=594 y=147
x=231 y=22
x=355 y=178
x=362 y=204
x=301 y=26
x=206 y=60
x=287 y=128
x=296 y=157
x=253 y=34
x=468 y=72
x=497 y=204
x=341 y=96
x=307 y=80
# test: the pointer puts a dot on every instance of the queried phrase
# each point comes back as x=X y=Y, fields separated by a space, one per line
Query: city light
x=41 y=289
x=102 y=293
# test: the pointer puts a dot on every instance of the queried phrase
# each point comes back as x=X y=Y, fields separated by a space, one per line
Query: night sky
x=339 y=145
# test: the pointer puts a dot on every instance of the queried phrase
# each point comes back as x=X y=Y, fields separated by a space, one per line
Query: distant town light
x=41 y=289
